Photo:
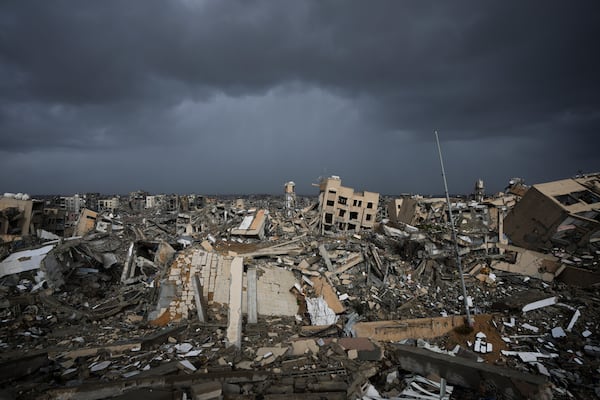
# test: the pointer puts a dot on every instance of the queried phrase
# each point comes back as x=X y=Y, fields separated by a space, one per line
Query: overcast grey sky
x=242 y=96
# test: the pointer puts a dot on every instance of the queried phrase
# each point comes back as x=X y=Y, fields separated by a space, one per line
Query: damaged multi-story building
x=54 y=220
x=19 y=216
x=109 y=204
x=137 y=200
x=343 y=209
x=559 y=213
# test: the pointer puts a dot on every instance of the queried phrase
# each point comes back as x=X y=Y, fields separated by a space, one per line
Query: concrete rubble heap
x=345 y=295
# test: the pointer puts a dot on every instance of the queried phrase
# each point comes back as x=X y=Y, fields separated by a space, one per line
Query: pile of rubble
x=268 y=297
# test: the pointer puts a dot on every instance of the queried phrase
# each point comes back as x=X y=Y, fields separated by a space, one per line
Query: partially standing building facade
x=343 y=209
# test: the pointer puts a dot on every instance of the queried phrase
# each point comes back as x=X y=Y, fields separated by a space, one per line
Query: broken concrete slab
x=267 y=355
x=324 y=289
x=207 y=246
x=18 y=365
x=540 y=304
x=396 y=330
x=301 y=347
x=25 y=260
x=234 y=325
x=351 y=261
x=252 y=304
x=253 y=225
x=573 y=321
x=201 y=305
x=529 y=263
x=273 y=292
x=524 y=301
x=574 y=276
x=206 y=391
x=365 y=349
x=470 y=374
x=325 y=255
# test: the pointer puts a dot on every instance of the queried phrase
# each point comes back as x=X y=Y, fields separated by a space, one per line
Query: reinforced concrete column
x=252 y=299
x=201 y=307
x=234 y=324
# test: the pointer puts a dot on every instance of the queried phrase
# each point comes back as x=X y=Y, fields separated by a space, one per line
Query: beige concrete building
x=86 y=222
x=108 y=204
x=343 y=209
x=563 y=213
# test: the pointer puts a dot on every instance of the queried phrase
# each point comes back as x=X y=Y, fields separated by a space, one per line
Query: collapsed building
x=236 y=298
x=20 y=216
x=561 y=213
x=343 y=209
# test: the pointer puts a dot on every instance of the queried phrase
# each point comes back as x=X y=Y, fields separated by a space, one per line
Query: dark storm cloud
x=297 y=89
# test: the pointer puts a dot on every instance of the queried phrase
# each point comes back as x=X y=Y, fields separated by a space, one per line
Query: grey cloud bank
x=239 y=97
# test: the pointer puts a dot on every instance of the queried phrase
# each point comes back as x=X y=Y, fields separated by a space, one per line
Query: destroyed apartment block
x=89 y=221
x=562 y=213
x=54 y=221
x=86 y=222
x=343 y=209
x=108 y=205
x=19 y=216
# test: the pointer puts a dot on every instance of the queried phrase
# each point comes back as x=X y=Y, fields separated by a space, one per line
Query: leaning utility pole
x=460 y=270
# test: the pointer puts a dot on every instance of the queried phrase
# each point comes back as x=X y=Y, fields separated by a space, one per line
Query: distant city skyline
x=231 y=97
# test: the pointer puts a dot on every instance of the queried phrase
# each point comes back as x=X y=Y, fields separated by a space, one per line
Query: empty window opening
x=575 y=197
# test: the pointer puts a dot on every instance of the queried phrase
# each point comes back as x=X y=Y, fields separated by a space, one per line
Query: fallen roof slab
x=395 y=330
x=22 y=261
x=470 y=374
x=540 y=304
x=574 y=276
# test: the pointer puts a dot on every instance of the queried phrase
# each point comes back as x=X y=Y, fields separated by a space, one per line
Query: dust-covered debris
x=217 y=297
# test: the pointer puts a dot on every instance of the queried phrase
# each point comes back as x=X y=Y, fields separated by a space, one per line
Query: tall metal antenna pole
x=460 y=270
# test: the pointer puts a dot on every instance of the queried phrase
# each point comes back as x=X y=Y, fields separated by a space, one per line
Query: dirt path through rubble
x=483 y=323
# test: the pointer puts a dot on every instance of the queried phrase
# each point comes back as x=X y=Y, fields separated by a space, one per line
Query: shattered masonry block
x=234 y=326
